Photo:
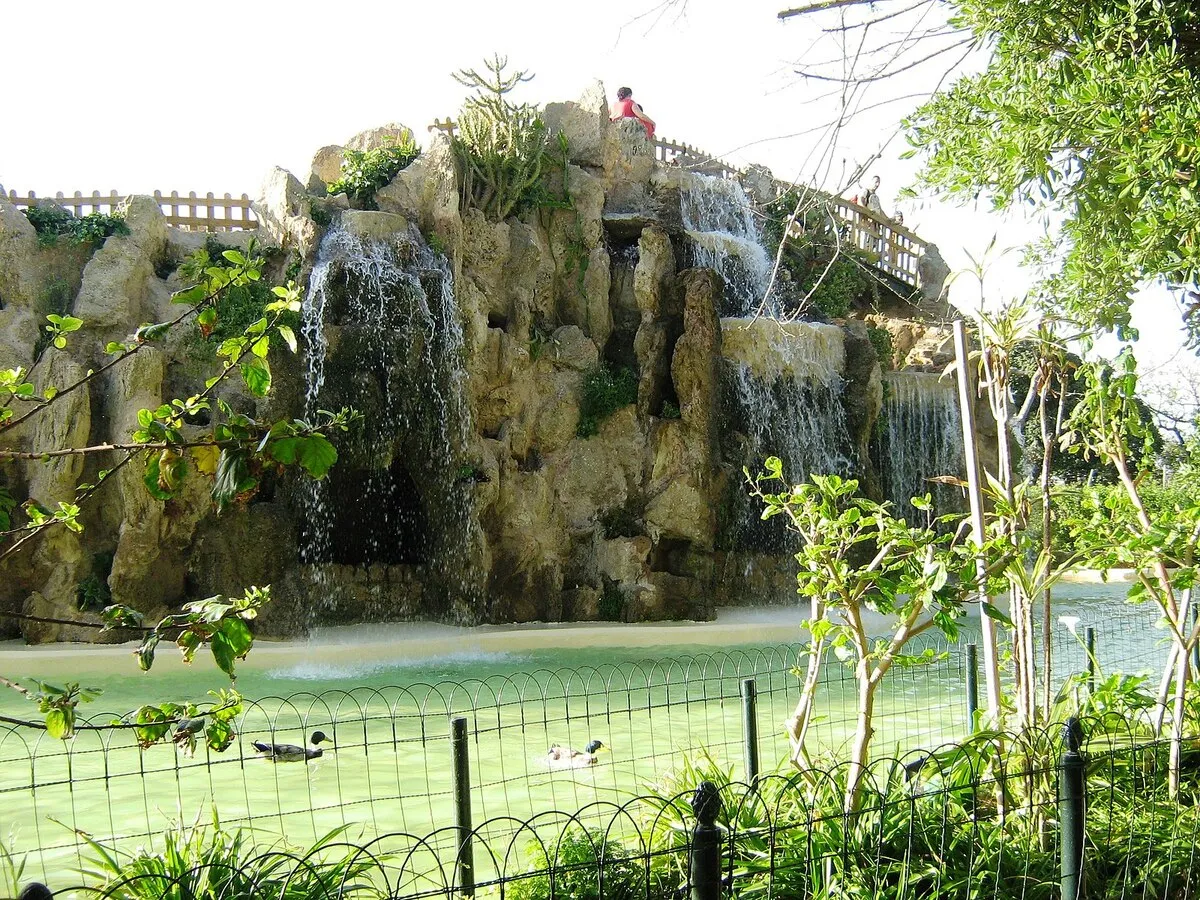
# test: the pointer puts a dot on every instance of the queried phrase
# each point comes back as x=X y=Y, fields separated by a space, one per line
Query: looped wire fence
x=390 y=769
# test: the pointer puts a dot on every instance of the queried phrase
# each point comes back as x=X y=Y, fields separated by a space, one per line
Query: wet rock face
x=471 y=494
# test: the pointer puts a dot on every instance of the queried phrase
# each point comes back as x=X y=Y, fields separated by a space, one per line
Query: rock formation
x=499 y=509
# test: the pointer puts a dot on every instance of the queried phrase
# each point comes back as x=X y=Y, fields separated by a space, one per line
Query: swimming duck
x=567 y=758
x=291 y=752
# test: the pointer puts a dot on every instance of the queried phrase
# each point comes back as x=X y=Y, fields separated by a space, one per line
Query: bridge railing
x=194 y=213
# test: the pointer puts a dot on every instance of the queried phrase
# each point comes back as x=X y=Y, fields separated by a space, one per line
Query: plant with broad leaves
x=856 y=556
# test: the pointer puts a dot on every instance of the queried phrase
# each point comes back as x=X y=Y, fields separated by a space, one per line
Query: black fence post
x=704 y=862
x=462 y=804
x=750 y=728
x=1090 y=642
x=1071 y=809
x=972 y=663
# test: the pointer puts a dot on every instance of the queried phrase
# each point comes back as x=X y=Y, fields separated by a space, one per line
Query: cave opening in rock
x=378 y=517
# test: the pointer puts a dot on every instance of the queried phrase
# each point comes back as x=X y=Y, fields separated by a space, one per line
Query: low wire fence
x=392 y=763
x=1049 y=815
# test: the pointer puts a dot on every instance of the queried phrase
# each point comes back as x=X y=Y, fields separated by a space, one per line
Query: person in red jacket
x=628 y=108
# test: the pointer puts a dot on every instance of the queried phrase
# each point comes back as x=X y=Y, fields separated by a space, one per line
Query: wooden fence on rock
x=204 y=213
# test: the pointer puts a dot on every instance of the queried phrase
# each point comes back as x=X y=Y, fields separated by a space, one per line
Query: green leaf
x=57 y=724
x=317 y=455
x=288 y=336
x=256 y=373
x=993 y=612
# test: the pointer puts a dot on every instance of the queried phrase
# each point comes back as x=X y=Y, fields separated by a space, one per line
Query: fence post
x=972 y=663
x=1071 y=809
x=1090 y=642
x=462 y=805
x=704 y=862
x=750 y=728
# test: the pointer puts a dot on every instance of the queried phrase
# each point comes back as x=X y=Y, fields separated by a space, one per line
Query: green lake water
x=652 y=694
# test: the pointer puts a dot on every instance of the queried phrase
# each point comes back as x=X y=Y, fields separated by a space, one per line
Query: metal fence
x=1000 y=817
x=391 y=769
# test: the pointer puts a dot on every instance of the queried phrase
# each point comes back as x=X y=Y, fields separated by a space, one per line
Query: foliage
x=582 y=865
x=242 y=303
x=854 y=556
x=1082 y=110
x=828 y=274
x=365 y=171
x=611 y=606
x=670 y=410
x=604 y=391
x=93 y=594
x=12 y=868
x=233 y=449
x=622 y=521
x=53 y=222
x=502 y=149
x=200 y=863
x=881 y=340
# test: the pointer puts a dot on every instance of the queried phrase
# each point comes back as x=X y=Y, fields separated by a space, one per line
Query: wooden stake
x=991 y=660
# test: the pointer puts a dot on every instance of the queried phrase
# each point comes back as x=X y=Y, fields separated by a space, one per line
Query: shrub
x=199 y=863
x=621 y=522
x=881 y=340
x=53 y=222
x=611 y=607
x=93 y=594
x=365 y=171
x=604 y=391
x=575 y=864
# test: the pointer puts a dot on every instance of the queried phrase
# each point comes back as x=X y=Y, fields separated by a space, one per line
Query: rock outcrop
x=552 y=515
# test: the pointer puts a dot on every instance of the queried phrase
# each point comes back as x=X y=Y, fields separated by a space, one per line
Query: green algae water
x=654 y=695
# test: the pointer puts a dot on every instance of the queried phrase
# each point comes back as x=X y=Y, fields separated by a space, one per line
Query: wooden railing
x=207 y=213
x=898 y=251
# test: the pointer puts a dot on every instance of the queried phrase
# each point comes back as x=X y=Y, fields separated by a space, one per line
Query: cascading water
x=382 y=332
x=722 y=236
x=919 y=436
x=783 y=391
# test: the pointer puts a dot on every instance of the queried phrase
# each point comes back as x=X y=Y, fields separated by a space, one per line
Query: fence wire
x=390 y=769
x=979 y=819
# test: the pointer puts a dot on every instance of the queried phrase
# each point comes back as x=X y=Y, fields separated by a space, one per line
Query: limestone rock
x=115 y=293
x=284 y=212
x=932 y=272
x=694 y=364
x=584 y=123
x=628 y=164
x=572 y=349
x=862 y=396
x=370 y=225
x=759 y=184
x=380 y=136
x=19 y=281
x=326 y=168
x=18 y=334
x=623 y=560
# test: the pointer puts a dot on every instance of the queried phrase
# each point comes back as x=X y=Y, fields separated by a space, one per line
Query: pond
x=655 y=695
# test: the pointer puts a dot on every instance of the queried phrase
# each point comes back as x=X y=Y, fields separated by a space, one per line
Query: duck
x=558 y=757
x=292 y=752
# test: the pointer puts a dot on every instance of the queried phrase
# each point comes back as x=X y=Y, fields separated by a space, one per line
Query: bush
x=881 y=340
x=604 y=391
x=575 y=864
x=212 y=864
x=53 y=222
x=365 y=171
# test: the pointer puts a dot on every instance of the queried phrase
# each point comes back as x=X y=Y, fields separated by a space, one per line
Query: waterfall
x=382 y=334
x=783 y=392
x=722 y=236
x=919 y=436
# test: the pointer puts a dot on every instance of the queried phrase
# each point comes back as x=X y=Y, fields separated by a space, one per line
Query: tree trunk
x=864 y=729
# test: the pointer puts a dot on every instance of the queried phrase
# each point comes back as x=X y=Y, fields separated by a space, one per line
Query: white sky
x=134 y=96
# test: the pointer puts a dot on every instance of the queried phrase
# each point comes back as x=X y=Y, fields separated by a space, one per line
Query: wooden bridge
x=895 y=250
